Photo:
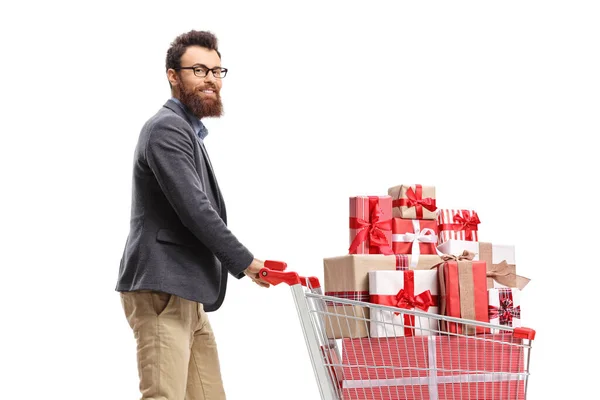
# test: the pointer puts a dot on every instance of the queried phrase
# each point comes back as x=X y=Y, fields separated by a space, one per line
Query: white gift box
x=409 y=289
x=504 y=307
x=499 y=253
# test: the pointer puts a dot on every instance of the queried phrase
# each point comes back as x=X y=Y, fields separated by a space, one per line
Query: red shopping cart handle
x=524 y=333
x=274 y=273
x=275 y=265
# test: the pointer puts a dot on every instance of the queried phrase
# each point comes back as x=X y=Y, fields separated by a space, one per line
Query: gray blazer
x=178 y=241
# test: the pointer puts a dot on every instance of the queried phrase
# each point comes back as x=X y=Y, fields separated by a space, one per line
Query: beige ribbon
x=465 y=256
x=503 y=272
x=467 y=294
x=465 y=278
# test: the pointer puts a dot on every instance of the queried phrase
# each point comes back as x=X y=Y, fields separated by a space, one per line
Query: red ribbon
x=406 y=299
x=463 y=222
x=415 y=199
x=507 y=311
x=373 y=230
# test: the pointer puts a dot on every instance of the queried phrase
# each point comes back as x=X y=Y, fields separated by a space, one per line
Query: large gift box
x=410 y=290
x=414 y=236
x=347 y=277
x=499 y=259
x=413 y=201
x=370 y=225
x=457 y=224
x=504 y=307
x=463 y=293
x=490 y=367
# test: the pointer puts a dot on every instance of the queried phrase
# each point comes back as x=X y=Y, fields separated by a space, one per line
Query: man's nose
x=210 y=77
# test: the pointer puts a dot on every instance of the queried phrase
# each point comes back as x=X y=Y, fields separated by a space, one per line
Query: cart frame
x=311 y=306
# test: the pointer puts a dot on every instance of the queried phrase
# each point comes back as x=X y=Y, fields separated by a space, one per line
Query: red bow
x=407 y=300
x=467 y=223
x=506 y=312
x=374 y=229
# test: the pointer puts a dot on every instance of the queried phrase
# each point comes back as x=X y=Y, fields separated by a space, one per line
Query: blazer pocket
x=168 y=236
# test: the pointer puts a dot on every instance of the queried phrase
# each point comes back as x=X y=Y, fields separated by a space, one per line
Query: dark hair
x=183 y=41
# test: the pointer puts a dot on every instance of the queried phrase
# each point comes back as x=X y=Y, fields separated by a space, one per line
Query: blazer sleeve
x=170 y=156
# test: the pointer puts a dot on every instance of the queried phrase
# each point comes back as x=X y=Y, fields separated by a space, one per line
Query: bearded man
x=179 y=250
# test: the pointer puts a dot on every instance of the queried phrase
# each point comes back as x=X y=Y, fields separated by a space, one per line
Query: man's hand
x=253 y=270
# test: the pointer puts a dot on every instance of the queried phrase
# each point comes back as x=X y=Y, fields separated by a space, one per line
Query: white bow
x=426 y=235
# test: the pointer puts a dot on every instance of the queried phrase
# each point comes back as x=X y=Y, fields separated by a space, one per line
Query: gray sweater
x=178 y=241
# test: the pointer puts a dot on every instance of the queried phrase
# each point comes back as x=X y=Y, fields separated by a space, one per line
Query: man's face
x=202 y=96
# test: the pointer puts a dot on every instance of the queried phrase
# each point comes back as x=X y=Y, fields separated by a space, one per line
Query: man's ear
x=172 y=77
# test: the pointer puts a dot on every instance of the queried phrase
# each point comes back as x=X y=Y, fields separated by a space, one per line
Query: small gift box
x=414 y=236
x=457 y=224
x=410 y=290
x=413 y=201
x=370 y=225
x=499 y=259
x=504 y=307
x=463 y=293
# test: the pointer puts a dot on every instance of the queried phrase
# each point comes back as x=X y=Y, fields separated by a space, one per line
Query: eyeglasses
x=202 y=70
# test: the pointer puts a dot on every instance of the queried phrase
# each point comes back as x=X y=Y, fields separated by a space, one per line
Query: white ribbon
x=416 y=237
x=424 y=380
x=432 y=378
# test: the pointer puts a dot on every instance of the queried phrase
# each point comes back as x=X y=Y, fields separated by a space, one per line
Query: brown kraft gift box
x=413 y=201
x=347 y=277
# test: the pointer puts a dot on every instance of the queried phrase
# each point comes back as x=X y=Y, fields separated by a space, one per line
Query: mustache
x=209 y=86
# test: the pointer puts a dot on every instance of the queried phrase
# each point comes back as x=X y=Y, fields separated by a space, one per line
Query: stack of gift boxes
x=407 y=253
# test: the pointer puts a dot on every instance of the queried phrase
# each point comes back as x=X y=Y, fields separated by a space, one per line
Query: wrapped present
x=414 y=236
x=489 y=366
x=347 y=277
x=504 y=307
x=457 y=224
x=499 y=259
x=370 y=225
x=410 y=290
x=413 y=201
x=463 y=293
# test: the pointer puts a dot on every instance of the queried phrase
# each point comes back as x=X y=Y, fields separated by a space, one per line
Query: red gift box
x=490 y=367
x=370 y=225
x=463 y=294
x=414 y=236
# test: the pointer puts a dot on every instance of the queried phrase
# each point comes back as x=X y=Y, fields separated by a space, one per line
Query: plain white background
x=494 y=103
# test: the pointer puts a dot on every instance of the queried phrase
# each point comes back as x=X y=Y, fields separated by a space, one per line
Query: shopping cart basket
x=417 y=359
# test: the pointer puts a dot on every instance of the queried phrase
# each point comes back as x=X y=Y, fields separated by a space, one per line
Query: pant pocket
x=160 y=301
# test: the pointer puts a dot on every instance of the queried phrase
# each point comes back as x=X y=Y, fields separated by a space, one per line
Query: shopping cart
x=419 y=358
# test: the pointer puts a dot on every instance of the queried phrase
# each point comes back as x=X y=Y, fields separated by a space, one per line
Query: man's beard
x=201 y=108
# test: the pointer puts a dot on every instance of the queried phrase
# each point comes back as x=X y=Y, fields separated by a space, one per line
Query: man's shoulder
x=165 y=117
x=164 y=121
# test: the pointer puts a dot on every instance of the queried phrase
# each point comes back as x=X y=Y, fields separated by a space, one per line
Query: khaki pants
x=176 y=349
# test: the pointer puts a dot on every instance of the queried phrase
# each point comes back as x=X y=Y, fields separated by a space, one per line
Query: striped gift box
x=457 y=224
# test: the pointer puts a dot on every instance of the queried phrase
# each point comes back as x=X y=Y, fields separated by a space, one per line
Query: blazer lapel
x=171 y=105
